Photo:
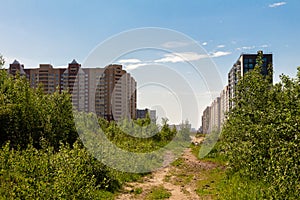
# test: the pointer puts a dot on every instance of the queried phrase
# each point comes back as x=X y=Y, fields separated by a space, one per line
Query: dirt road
x=180 y=179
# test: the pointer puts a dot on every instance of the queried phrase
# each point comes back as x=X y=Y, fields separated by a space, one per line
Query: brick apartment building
x=109 y=92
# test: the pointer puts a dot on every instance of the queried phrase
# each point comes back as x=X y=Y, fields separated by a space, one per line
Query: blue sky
x=57 y=31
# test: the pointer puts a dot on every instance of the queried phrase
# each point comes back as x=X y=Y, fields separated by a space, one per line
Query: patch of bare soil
x=180 y=180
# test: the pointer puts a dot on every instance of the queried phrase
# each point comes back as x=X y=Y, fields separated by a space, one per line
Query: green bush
x=40 y=158
x=261 y=136
x=28 y=115
x=69 y=173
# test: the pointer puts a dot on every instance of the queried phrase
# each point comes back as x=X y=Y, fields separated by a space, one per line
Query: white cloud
x=220 y=46
x=245 y=48
x=274 y=5
x=180 y=57
x=252 y=47
x=132 y=60
x=219 y=54
x=204 y=43
x=134 y=66
x=132 y=63
x=189 y=56
x=174 y=44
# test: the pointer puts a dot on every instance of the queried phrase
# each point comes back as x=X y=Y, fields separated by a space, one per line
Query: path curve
x=168 y=178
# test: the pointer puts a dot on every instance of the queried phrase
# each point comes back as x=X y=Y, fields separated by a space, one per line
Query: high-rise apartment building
x=92 y=77
x=214 y=124
x=142 y=113
x=206 y=120
x=15 y=68
x=116 y=94
x=245 y=63
x=224 y=105
x=109 y=92
x=213 y=116
x=46 y=75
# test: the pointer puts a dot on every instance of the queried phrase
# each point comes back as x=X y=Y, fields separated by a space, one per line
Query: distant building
x=179 y=126
x=109 y=92
x=200 y=130
x=46 y=75
x=214 y=116
x=224 y=105
x=15 y=68
x=116 y=92
x=245 y=63
x=206 y=120
x=142 y=113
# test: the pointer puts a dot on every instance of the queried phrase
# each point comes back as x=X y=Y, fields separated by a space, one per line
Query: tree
x=261 y=136
x=27 y=115
x=2 y=61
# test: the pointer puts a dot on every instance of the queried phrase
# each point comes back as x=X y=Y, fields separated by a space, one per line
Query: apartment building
x=109 y=92
x=224 y=105
x=47 y=76
x=214 y=116
x=15 y=68
x=214 y=124
x=142 y=113
x=116 y=94
x=206 y=120
x=245 y=63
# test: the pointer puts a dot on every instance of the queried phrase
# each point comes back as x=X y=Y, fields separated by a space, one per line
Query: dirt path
x=179 y=179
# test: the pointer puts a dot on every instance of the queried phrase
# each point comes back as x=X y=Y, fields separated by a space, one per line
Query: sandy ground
x=172 y=178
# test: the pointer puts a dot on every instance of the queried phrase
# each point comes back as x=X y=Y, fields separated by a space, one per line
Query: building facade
x=142 y=113
x=116 y=94
x=214 y=116
x=109 y=92
x=245 y=63
x=206 y=120
x=224 y=105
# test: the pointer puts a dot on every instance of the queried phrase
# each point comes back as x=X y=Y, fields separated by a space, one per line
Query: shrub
x=262 y=133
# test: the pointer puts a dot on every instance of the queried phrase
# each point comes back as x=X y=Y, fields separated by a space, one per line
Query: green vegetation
x=209 y=185
x=260 y=139
x=2 y=61
x=157 y=193
x=138 y=190
x=44 y=174
x=41 y=156
x=27 y=115
x=178 y=162
x=238 y=187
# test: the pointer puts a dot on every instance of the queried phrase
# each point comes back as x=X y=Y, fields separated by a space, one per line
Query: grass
x=237 y=187
x=209 y=185
x=138 y=190
x=179 y=179
x=213 y=156
x=178 y=162
x=158 y=193
x=216 y=184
